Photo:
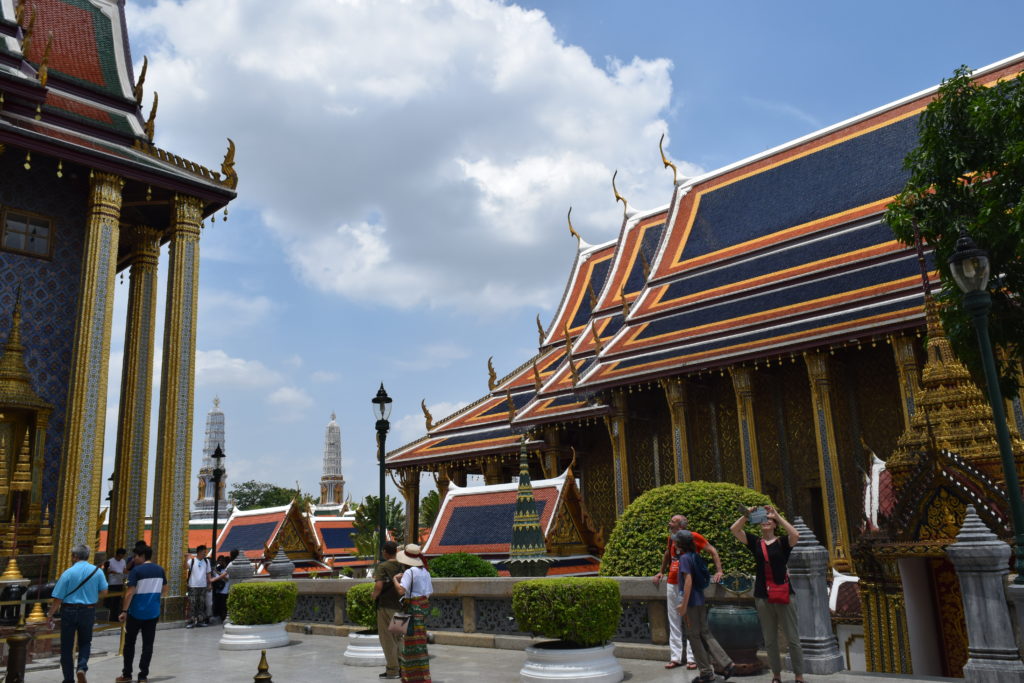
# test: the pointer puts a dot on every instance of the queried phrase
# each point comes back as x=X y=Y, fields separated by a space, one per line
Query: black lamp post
x=381 y=411
x=218 y=474
x=969 y=266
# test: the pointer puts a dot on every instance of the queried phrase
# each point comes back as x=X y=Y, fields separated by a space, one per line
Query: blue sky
x=405 y=169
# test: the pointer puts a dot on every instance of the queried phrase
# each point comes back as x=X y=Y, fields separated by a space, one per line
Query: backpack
x=701 y=575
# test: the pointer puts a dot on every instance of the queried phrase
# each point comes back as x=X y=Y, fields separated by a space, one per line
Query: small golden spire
x=44 y=543
x=492 y=376
x=138 y=89
x=666 y=162
x=536 y=376
x=263 y=670
x=150 y=126
x=426 y=415
x=43 y=73
x=540 y=331
x=12 y=573
x=572 y=231
x=227 y=167
x=22 y=479
x=37 y=616
x=4 y=489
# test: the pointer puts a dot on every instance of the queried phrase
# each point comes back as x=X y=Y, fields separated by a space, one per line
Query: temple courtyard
x=181 y=655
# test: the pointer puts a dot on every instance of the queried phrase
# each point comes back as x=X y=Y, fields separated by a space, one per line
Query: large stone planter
x=552 y=661
x=254 y=637
x=363 y=650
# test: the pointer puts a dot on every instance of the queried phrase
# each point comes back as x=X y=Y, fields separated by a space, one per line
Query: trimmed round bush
x=360 y=607
x=461 y=564
x=581 y=611
x=262 y=602
x=637 y=542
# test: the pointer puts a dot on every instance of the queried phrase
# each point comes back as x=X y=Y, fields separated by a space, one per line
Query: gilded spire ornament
x=666 y=162
x=492 y=376
x=580 y=243
x=4 y=489
x=137 y=91
x=426 y=415
x=227 y=167
x=44 y=65
x=573 y=373
x=12 y=573
x=528 y=551
x=150 y=127
x=626 y=211
x=44 y=542
x=26 y=41
x=15 y=381
x=22 y=479
x=540 y=332
x=537 y=383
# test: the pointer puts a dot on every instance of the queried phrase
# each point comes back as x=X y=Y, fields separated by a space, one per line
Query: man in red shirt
x=670 y=564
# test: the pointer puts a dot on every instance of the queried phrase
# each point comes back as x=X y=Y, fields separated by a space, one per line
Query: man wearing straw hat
x=140 y=611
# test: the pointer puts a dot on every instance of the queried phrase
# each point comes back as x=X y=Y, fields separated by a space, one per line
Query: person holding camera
x=773 y=594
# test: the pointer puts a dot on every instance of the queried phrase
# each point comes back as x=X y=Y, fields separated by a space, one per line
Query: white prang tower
x=202 y=506
x=332 y=483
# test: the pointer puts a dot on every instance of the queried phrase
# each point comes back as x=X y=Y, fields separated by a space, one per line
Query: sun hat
x=410 y=555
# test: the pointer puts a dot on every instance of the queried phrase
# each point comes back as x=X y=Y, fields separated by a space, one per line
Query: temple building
x=202 y=506
x=763 y=327
x=332 y=483
x=85 y=194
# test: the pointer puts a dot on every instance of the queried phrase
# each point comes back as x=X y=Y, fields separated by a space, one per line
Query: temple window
x=27 y=233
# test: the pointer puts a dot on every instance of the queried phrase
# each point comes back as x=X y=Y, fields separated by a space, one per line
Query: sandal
x=691 y=665
x=672 y=665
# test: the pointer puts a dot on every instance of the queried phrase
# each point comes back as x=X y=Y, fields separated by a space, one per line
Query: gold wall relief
x=908 y=374
x=616 y=424
x=746 y=425
x=771 y=438
x=594 y=467
x=408 y=482
x=78 y=496
x=952 y=626
x=676 y=396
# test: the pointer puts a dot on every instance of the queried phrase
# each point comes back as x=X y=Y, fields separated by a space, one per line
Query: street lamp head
x=381 y=404
x=969 y=265
x=218 y=454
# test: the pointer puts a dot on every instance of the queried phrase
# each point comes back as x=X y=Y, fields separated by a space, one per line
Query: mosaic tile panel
x=50 y=289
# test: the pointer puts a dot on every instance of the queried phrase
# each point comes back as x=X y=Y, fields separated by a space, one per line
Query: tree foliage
x=365 y=524
x=461 y=564
x=250 y=495
x=967 y=172
x=637 y=542
x=429 y=507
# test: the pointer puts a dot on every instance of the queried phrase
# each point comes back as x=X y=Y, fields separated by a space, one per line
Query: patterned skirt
x=414 y=659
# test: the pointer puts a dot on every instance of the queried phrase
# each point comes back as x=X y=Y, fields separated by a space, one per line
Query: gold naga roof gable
x=15 y=381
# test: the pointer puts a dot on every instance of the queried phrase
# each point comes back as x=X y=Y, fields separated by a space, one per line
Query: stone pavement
x=192 y=655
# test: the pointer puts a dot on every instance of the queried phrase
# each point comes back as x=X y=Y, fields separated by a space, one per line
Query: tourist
x=200 y=573
x=219 y=586
x=415 y=587
x=779 y=611
x=693 y=579
x=116 y=569
x=77 y=591
x=387 y=600
x=140 y=611
x=669 y=561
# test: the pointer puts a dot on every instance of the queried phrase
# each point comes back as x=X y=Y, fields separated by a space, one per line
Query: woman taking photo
x=415 y=587
x=773 y=595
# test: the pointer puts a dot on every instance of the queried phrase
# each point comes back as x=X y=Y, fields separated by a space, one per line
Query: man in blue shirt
x=77 y=591
x=140 y=610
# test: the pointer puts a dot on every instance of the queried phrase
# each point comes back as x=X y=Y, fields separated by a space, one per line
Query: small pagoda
x=528 y=554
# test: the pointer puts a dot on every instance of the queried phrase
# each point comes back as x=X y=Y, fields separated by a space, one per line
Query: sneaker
x=728 y=671
x=190 y=625
x=123 y=679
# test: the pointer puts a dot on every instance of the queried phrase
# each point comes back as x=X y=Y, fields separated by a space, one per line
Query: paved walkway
x=192 y=655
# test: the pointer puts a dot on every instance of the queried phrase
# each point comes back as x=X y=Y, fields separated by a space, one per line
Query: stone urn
x=240 y=568
x=363 y=650
x=254 y=637
x=281 y=567
x=557 y=660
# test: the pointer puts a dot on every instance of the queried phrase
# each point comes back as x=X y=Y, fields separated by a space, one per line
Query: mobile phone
x=759 y=515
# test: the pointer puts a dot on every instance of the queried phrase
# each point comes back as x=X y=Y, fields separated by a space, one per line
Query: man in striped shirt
x=147 y=583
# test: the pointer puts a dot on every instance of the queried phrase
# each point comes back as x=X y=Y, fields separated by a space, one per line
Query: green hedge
x=360 y=607
x=583 y=611
x=637 y=542
x=461 y=564
x=263 y=602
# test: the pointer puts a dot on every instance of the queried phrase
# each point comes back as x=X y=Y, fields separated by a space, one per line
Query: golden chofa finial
x=492 y=376
x=44 y=68
x=626 y=211
x=540 y=332
x=150 y=126
x=666 y=162
x=19 y=11
x=426 y=415
x=580 y=242
x=26 y=41
x=138 y=89
x=227 y=167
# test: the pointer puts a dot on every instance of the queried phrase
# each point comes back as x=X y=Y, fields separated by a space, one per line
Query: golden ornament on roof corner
x=427 y=416
x=645 y=265
x=43 y=73
x=625 y=302
x=620 y=198
x=227 y=167
x=593 y=296
x=22 y=479
x=492 y=376
x=666 y=162
x=540 y=331
x=536 y=376
x=150 y=127
x=598 y=344
x=573 y=373
x=44 y=542
x=137 y=90
x=26 y=41
x=572 y=230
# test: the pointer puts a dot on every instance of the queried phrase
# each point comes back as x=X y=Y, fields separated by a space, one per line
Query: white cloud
x=230 y=311
x=216 y=369
x=411 y=153
x=323 y=376
x=290 y=404
x=412 y=426
x=294 y=361
x=785 y=109
x=433 y=356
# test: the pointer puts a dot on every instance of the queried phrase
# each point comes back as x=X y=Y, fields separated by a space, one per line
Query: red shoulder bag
x=778 y=593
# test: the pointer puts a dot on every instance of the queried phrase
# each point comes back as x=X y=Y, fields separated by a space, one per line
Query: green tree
x=967 y=172
x=249 y=495
x=429 y=507
x=365 y=524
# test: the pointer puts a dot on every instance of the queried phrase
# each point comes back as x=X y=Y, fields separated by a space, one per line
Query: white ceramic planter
x=363 y=650
x=255 y=637
x=592 y=664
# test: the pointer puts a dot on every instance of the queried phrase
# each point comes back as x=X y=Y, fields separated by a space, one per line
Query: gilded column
x=131 y=460
x=552 y=449
x=907 y=373
x=492 y=471
x=35 y=509
x=820 y=376
x=174 y=429
x=442 y=479
x=743 y=385
x=81 y=471
x=616 y=424
x=675 y=394
x=408 y=482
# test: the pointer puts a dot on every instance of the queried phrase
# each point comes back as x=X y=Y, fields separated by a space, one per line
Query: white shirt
x=197 y=571
x=416 y=582
x=115 y=571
